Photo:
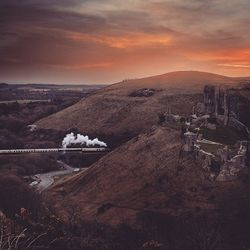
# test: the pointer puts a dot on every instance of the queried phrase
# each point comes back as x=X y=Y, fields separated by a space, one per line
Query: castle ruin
x=221 y=108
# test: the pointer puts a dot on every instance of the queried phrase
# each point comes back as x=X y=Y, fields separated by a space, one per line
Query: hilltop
x=132 y=106
x=177 y=82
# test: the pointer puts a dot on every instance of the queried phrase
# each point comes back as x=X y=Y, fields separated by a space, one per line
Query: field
x=23 y=101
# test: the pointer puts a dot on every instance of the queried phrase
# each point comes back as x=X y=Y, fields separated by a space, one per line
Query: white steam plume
x=70 y=139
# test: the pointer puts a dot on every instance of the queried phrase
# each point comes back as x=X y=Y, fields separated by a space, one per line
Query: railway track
x=51 y=150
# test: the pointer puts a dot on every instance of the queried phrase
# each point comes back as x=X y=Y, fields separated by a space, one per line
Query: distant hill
x=178 y=81
x=122 y=107
x=3 y=85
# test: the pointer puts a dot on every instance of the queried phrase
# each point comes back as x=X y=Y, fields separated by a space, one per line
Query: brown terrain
x=145 y=174
x=144 y=187
x=117 y=109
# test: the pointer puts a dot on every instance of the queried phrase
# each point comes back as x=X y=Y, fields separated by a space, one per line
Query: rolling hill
x=147 y=175
x=144 y=174
x=119 y=109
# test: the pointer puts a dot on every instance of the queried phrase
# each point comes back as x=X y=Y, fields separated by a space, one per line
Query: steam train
x=55 y=150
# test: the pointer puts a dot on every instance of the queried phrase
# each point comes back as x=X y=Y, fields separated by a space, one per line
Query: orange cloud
x=234 y=65
x=124 y=41
x=239 y=58
x=82 y=66
x=234 y=55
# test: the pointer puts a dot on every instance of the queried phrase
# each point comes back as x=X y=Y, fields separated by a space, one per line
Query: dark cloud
x=89 y=35
x=12 y=17
x=35 y=34
x=47 y=3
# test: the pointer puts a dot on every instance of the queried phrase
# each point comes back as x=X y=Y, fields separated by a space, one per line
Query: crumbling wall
x=209 y=99
x=232 y=167
x=235 y=123
x=189 y=141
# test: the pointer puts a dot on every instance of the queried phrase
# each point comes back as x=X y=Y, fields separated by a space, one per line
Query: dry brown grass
x=113 y=111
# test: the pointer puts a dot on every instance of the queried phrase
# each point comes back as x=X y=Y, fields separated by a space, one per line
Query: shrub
x=161 y=118
x=16 y=194
x=12 y=124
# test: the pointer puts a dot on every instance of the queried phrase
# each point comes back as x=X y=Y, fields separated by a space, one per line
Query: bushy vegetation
x=200 y=231
x=16 y=194
x=29 y=164
x=145 y=92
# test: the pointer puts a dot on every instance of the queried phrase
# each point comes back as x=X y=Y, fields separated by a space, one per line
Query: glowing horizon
x=90 y=42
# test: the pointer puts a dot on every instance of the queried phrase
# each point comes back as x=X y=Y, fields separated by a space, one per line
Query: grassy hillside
x=117 y=109
x=144 y=174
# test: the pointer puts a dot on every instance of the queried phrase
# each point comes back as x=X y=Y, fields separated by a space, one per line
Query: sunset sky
x=105 y=41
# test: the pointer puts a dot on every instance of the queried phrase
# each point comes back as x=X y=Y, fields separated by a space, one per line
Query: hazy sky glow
x=104 y=41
